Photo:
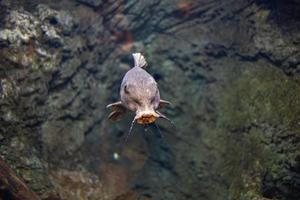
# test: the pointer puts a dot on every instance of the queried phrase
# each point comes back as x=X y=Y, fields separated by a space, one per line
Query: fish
x=139 y=93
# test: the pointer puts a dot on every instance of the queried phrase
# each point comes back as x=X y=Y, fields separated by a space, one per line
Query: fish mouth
x=146 y=118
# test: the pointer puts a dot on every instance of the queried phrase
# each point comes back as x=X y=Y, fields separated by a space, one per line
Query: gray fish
x=139 y=93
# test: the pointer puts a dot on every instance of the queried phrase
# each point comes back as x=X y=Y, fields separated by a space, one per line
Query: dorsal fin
x=139 y=60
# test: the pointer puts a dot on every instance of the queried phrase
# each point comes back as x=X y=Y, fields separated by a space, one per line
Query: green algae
x=261 y=95
x=254 y=104
x=245 y=161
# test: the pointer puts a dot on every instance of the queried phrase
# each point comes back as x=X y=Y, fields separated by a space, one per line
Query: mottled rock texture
x=230 y=69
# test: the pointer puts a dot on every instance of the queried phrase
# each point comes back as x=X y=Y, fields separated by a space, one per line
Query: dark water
x=230 y=69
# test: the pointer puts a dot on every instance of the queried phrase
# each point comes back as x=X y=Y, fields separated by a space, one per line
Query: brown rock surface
x=230 y=68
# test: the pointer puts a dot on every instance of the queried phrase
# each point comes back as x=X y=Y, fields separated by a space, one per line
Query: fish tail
x=139 y=60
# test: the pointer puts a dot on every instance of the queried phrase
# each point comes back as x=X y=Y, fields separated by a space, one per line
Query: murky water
x=229 y=69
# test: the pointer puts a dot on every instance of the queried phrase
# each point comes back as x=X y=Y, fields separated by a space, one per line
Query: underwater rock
x=12 y=186
x=62 y=19
x=231 y=65
x=77 y=185
x=69 y=141
x=21 y=26
x=28 y=59
x=23 y=35
x=93 y=3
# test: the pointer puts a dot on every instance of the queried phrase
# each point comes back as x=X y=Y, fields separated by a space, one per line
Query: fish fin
x=118 y=111
x=163 y=103
x=113 y=105
x=139 y=60
x=116 y=115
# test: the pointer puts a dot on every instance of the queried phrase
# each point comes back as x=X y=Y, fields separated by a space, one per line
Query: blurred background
x=229 y=67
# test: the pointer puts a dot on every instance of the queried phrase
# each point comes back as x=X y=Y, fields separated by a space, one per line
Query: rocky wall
x=230 y=69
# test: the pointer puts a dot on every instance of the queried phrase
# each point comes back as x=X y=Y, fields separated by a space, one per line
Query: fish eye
x=126 y=89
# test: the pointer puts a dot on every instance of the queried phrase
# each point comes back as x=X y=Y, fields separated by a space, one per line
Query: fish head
x=141 y=97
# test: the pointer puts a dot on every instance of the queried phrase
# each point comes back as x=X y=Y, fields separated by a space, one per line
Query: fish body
x=138 y=93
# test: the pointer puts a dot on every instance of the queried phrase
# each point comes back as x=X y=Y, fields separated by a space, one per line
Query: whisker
x=131 y=127
x=166 y=118
x=160 y=133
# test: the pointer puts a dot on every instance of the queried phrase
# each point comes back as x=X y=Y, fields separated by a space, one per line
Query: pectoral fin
x=114 y=105
x=163 y=103
x=116 y=115
x=118 y=111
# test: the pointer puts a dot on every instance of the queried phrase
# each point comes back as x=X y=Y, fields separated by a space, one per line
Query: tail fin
x=139 y=60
